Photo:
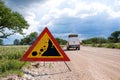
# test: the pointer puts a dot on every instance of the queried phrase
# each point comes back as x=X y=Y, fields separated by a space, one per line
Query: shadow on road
x=45 y=74
x=70 y=50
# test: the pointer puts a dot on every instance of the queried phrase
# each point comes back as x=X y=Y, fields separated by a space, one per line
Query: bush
x=10 y=65
x=112 y=45
x=119 y=46
x=93 y=45
x=95 y=40
x=10 y=60
x=106 y=45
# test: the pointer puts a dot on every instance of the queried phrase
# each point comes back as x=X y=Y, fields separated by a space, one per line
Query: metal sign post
x=67 y=66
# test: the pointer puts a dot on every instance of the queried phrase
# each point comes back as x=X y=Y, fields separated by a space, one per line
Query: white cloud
x=40 y=15
x=45 y=13
x=80 y=9
x=113 y=14
x=31 y=18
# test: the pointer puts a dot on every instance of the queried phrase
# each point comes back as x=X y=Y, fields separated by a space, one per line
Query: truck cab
x=73 y=42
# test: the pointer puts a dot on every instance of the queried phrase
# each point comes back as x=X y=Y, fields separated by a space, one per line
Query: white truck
x=73 y=42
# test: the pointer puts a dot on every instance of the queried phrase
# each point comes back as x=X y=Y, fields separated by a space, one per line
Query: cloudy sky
x=88 y=18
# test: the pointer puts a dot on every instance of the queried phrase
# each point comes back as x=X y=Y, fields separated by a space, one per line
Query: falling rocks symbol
x=51 y=49
x=45 y=48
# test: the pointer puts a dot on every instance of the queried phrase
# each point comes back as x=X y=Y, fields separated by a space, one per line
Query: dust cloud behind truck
x=73 y=42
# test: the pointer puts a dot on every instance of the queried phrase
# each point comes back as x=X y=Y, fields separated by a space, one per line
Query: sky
x=88 y=18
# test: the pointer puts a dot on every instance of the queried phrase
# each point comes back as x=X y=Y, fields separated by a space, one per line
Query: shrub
x=111 y=45
x=9 y=65
x=10 y=60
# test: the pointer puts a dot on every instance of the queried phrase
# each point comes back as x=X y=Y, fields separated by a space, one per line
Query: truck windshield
x=73 y=39
x=73 y=36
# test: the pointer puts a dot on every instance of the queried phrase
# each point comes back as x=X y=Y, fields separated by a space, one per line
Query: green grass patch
x=106 y=45
x=62 y=46
x=112 y=45
x=10 y=60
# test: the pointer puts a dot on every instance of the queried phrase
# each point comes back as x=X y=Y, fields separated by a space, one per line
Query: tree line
x=29 y=39
x=26 y=40
x=113 y=38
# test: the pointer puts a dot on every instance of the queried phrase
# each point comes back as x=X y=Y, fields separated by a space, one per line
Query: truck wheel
x=67 y=48
x=78 y=48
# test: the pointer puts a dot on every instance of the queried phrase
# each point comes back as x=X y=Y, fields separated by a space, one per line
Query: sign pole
x=44 y=63
x=67 y=66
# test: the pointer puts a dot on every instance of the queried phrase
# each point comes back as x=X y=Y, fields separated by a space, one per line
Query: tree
x=24 y=41
x=10 y=22
x=16 y=42
x=61 y=41
x=114 y=37
x=1 y=42
x=95 y=40
x=29 y=39
x=32 y=37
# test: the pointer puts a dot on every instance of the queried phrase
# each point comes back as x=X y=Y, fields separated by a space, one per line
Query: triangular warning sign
x=45 y=48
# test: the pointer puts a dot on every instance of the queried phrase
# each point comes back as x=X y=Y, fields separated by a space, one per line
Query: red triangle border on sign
x=25 y=56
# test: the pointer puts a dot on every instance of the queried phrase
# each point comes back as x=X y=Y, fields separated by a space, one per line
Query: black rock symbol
x=34 y=53
x=51 y=50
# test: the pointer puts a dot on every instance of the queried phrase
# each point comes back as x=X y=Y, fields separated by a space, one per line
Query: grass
x=106 y=45
x=112 y=45
x=10 y=60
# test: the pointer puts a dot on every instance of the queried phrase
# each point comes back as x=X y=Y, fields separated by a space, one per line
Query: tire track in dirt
x=108 y=65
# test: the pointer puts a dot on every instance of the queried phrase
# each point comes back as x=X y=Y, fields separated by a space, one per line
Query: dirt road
x=89 y=63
